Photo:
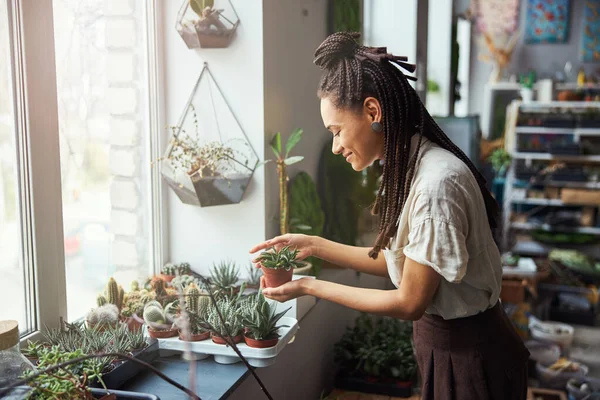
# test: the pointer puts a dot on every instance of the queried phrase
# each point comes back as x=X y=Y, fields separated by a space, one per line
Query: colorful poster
x=496 y=17
x=590 y=37
x=547 y=21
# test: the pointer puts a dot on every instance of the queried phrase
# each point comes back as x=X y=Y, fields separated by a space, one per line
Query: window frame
x=35 y=114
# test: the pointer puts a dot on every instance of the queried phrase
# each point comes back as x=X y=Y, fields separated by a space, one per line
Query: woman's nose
x=336 y=148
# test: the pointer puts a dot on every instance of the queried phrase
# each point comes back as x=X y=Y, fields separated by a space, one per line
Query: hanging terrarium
x=207 y=23
x=209 y=160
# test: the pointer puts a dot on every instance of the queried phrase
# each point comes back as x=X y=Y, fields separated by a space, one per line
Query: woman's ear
x=372 y=108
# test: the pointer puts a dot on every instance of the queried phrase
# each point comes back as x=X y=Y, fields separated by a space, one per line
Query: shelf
x=549 y=202
x=575 y=86
x=574 y=185
x=534 y=130
x=549 y=157
x=545 y=227
x=561 y=104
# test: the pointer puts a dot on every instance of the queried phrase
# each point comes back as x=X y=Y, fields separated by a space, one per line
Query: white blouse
x=444 y=225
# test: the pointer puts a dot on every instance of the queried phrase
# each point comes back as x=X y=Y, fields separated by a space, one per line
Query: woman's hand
x=287 y=291
x=304 y=243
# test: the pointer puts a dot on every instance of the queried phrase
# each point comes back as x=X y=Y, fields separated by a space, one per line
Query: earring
x=377 y=127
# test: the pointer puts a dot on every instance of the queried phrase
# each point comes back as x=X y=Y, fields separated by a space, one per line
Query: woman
x=436 y=221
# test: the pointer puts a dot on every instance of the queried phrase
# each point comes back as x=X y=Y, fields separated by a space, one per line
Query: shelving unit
x=516 y=134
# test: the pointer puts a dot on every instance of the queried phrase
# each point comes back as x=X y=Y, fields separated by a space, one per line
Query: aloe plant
x=233 y=320
x=261 y=319
x=284 y=258
x=224 y=276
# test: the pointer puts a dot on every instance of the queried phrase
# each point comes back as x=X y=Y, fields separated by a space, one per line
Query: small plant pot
x=134 y=323
x=163 y=334
x=260 y=344
x=276 y=277
x=220 y=340
x=195 y=338
x=167 y=278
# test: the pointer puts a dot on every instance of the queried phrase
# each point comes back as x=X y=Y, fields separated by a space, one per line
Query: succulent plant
x=192 y=295
x=107 y=314
x=134 y=286
x=113 y=294
x=254 y=275
x=180 y=282
x=224 y=275
x=233 y=322
x=261 y=320
x=101 y=300
x=158 y=286
x=168 y=269
x=156 y=317
x=184 y=268
x=198 y=6
x=285 y=258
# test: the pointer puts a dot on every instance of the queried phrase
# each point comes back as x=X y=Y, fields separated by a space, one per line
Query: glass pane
x=102 y=103
x=13 y=290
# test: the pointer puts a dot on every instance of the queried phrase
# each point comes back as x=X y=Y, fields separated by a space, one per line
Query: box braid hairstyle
x=351 y=73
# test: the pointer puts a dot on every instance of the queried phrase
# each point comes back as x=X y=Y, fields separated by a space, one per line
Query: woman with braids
x=435 y=233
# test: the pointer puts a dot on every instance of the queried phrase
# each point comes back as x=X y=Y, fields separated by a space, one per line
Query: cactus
x=106 y=314
x=203 y=306
x=192 y=294
x=168 y=269
x=184 y=268
x=112 y=292
x=158 y=286
x=154 y=316
x=134 y=286
x=171 y=310
x=101 y=300
x=120 y=297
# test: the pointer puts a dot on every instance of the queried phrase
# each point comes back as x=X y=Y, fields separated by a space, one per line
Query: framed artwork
x=547 y=21
x=590 y=37
x=497 y=17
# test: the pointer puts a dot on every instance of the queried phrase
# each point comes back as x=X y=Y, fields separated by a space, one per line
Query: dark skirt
x=479 y=357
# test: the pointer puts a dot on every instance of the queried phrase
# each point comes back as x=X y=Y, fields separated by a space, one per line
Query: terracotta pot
x=167 y=278
x=195 y=338
x=134 y=323
x=218 y=340
x=276 y=277
x=168 y=333
x=260 y=344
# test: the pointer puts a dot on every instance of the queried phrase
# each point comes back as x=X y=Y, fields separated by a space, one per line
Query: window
x=13 y=285
x=101 y=77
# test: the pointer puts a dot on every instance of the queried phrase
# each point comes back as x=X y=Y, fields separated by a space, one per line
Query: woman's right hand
x=304 y=243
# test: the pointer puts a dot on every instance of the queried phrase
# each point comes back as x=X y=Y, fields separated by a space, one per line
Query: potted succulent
x=376 y=356
x=200 y=24
x=278 y=265
x=183 y=281
x=260 y=321
x=527 y=81
x=254 y=275
x=233 y=321
x=168 y=272
x=103 y=317
x=196 y=307
x=160 y=320
x=113 y=294
x=224 y=278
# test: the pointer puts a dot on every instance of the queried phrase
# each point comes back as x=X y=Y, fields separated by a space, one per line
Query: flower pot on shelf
x=162 y=334
x=527 y=95
x=219 y=340
x=260 y=344
x=212 y=27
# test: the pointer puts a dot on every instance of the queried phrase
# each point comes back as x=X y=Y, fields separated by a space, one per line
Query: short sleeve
x=437 y=235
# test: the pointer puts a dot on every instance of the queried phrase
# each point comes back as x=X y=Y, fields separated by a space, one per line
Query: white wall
x=439 y=36
x=292 y=32
x=203 y=235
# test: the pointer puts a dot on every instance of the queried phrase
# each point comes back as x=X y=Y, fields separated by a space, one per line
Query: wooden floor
x=343 y=395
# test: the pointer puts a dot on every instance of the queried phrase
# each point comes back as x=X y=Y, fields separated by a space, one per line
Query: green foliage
x=224 y=276
x=500 y=160
x=575 y=260
x=199 y=5
x=181 y=282
x=254 y=275
x=377 y=347
x=168 y=269
x=261 y=318
x=432 y=86
x=192 y=296
x=233 y=321
x=527 y=80
x=284 y=258
x=346 y=15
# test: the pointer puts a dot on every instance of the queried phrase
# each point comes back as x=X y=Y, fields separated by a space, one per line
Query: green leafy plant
x=233 y=320
x=157 y=317
x=254 y=275
x=260 y=318
x=432 y=87
x=224 y=276
x=500 y=160
x=527 y=80
x=200 y=5
x=282 y=161
x=377 y=347
x=346 y=16
x=284 y=258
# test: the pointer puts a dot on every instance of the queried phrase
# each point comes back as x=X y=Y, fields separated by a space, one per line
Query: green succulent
x=254 y=275
x=261 y=319
x=224 y=275
x=233 y=321
x=168 y=269
x=184 y=268
x=199 y=5
x=180 y=282
x=285 y=258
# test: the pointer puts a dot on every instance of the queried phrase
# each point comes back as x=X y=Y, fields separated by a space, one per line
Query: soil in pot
x=195 y=338
x=162 y=334
x=276 y=277
x=219 y=340
x=260 y=344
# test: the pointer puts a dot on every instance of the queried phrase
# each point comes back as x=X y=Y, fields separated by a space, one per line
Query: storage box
x=580 y=196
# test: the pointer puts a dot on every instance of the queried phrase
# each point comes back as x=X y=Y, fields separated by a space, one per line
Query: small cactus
x=171 y=310
x=101 y=300
x=120 y=297
x=203 y=306
x=192 y=295
x=184 y=268
x=106 y=314
x=168 y=269
x=112 y=292
x=154 y=316
x=134 y=286
x=158 y=286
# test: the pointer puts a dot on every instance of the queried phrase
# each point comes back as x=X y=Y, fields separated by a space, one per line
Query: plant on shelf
x=191 y=321
x=260 y=320
x=527 y=81
x=254 y=275
x=500 y=160
x=282 y=161
x=233 y=326
x=168 y=272
x=376 y=349
x=183 y=281
x=184 y=268
x=102 y=317
x=224 y=277
x=113 y=294
x=278 y=265
x=159 y=320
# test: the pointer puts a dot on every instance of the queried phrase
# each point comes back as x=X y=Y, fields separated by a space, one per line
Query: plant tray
x=225 y=355
x=128 y=369
x=358 y=384
x=120 y=394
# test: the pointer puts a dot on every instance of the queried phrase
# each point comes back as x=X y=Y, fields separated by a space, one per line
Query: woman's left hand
x=287 y=291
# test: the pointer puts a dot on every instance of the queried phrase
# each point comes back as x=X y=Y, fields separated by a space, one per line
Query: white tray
x=224 y=354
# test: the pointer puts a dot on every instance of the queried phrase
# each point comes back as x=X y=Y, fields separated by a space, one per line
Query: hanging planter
x=209 y=160
x=207 y=23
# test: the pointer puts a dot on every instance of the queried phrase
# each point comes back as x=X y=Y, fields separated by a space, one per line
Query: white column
x=439 y=53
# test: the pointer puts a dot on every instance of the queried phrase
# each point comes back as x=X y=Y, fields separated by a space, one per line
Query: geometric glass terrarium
x=207 y=23
x=209 y=160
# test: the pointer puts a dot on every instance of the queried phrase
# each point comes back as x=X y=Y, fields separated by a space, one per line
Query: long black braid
x=351 y=74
